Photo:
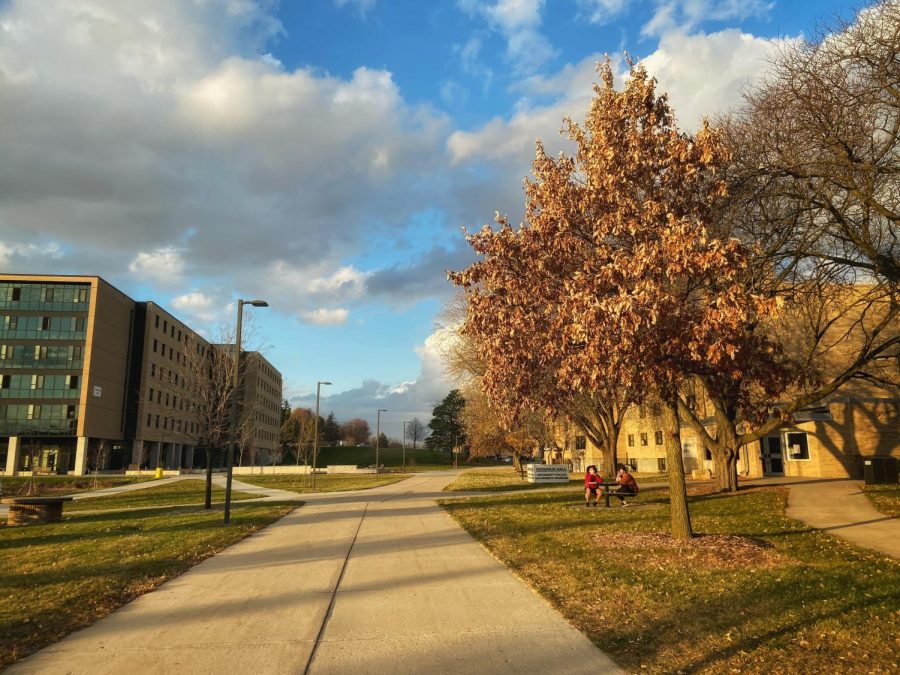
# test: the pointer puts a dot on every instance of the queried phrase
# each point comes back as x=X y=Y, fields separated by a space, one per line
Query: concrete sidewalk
x=839 y=507
x=375 y=581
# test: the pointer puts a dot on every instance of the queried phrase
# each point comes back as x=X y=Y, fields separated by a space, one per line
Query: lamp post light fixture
x=378 y=437
x=316 y=434
x=232 y=422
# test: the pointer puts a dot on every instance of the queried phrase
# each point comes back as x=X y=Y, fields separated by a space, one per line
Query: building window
x=71 y=382
x=75 y=353
x=34 y=412
x=159 y=396
x=45 y=323
x=70 y=412
x=157 y=321
x=37 y=381
x=40 y=352
x=149 y=419
x=157 y=421
x=661 y=463
x=78 y=323
x=644 y=438
x=6 y=351
x=630 y=440
x=81 y=295
x=152 y=370
x=165 y=326
x=5 y=381
x=15 y=294
x=151 y=394
x=798 y=446
x=172 y=332
x=580 y=443
x=659 y=438
x=48 y=295
x=155 y=345
x=11 y=322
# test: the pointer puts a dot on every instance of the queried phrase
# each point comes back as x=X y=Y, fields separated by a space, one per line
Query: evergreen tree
x=285 y=410
x=331 y=430
x=446 y=425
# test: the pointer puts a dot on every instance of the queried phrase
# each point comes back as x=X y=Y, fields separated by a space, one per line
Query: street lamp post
x=316 y=436
x=232 y=422
x=404 y=447
x=378 y=437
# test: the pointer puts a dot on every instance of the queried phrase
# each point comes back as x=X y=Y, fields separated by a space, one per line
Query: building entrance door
x=772 y=459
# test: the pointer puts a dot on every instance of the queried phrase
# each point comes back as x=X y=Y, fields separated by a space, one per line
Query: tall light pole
x=316 y=436
x=232 y=422
x=378 y=436
x=404 y=447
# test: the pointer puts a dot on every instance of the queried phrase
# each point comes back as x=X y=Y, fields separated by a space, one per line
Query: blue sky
x=321 y=154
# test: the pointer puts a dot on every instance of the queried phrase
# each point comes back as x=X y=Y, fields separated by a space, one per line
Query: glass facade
x=43 y=327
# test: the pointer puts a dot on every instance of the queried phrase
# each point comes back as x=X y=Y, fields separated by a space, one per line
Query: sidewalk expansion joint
x=321 y=634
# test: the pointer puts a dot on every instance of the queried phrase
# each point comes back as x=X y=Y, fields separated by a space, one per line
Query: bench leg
x=606 y=498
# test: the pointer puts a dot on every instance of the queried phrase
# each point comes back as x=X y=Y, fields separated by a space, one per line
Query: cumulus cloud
x=187 y=132
x=601 y=11
x=163 y=266
x=519 y=22
x=702 y=73
x=13 y=254
x=325 y=317
x=686 y=15
x=202 y=306
x=403 y=401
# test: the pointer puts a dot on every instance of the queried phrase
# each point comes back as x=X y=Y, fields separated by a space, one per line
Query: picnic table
x=605 y=487
x=28 y=510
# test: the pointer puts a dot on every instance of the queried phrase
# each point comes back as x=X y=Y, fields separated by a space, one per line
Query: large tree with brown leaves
x=613 y=283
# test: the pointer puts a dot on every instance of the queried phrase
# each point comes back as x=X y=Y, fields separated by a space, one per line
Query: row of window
x=265 y=435
x=169 y=376
x=658 y=437
x=53 y=327
x=41 y=356
x=266 y=419
x=171 y=424
x=40 y=386
x=158 y=396
x=44 y=293
x=38 y=411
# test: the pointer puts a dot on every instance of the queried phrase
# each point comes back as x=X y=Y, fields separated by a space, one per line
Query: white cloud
x=702 y=73
x=201 y=139
x=519 y=22
x=362 y=6
x=163 y=266
x=415 y=398
x=202 y=306
x=686 y=15
x=601 y=11
x=17 y=253
x=325 y=317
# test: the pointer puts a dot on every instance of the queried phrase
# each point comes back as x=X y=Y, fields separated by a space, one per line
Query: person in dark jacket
x=627 y=485
x=592 y=483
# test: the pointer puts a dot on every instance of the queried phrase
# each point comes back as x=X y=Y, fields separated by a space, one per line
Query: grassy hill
x=388 y=457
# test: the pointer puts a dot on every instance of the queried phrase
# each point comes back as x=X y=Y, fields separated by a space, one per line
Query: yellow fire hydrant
x=159 y=471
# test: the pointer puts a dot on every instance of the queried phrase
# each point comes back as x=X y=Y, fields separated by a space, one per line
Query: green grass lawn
x=52 y=485
x=59 y=577
x=885 y=498
x=773 y=596
x=389 y=457
x=181 y=493
x=324 y=483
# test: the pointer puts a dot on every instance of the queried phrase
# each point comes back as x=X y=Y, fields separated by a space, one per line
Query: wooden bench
x=28 y=510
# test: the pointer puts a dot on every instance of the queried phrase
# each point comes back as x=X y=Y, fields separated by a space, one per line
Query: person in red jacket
x=592 y=483
x=627 y=485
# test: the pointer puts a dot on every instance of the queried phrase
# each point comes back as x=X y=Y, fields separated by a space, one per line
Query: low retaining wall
x=348 y=468
x=301 y=469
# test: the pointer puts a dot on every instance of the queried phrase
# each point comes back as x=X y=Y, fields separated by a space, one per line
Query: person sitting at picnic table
x=592 y=483
x=627 y=485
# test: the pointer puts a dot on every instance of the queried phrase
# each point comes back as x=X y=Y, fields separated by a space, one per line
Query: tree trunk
x=725 y=466
x=208 y=500
x=681 y=517
x=610 y=453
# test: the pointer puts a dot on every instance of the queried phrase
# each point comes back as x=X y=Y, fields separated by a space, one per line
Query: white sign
x=547 y=473
x=98 y=391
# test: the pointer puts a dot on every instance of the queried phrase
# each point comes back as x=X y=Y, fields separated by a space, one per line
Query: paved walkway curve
x=373 y=581
x=839 y=507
